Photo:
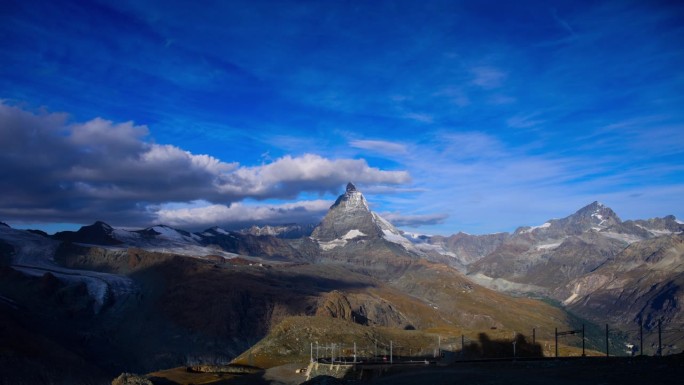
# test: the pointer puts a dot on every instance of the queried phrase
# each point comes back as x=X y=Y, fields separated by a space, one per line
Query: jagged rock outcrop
x=361 y=308
x=131 y=379
x=335 y=305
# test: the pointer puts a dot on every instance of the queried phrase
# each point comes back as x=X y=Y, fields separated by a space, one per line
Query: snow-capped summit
x=595 y=216
x=352 y=199
x=350 y=219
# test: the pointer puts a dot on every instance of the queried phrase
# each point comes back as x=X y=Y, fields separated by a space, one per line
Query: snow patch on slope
x=548 y=246
x=169 y=241
x=339 y=242
x=396 y=238
x=574 y=295
x=532 y=228
x=500 y=284
x=391 y=234
x=173 y=234
x=627 y=238
x=351 y=234
x=656 y=232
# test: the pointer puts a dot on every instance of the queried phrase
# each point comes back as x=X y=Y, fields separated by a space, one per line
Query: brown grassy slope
x=291 y=341
x=465 y=304
x=197 y=308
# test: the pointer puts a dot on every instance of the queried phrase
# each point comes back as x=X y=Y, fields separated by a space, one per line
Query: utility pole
x=660 y=340
x=391 y=358
x=556 y=342
x=607 y=346
x=641 y=337
x=533 y=336
x=583 y=355
x=462 y=344
x=354 y=351
x=439 y=346
x=311 y=353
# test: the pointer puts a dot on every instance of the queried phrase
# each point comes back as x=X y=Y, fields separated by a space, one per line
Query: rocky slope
x=136 y=300
x=598 y=266
x=541 y=258
x=288 y=231
x=642 y=283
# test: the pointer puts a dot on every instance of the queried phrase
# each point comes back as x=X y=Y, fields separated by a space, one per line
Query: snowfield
x=170 y=241
x=35 y=257
x=339 y=242
x=532 y=228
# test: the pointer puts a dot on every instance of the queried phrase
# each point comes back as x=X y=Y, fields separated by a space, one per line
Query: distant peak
x=594 y=206
x=351 y=187
x=101 y=224
x=598 y=214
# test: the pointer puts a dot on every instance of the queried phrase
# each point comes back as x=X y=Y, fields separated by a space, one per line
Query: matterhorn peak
x=349 y=213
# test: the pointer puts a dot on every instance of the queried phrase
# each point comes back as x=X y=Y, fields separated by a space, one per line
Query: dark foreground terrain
x=594 y=370
x=642 y=370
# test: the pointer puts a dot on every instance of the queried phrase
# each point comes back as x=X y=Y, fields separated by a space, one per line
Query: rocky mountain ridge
x=560 y=250
x=287 y=231
x=356 y=267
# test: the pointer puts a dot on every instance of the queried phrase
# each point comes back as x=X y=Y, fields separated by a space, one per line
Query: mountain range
x=102 y=300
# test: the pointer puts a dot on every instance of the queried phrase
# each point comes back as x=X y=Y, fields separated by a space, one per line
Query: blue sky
x=475 y=116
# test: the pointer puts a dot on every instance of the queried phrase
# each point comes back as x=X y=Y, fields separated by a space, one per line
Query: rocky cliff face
x=644 y=282
x=634 y=275
x=335 y=305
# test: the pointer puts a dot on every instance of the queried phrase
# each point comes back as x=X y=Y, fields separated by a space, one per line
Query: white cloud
x=487 y=77
x=287 y=176
x=419 y=117
x=110 y=170
x=380 y=146
x=238 y=214
x=399 y=220
x=524 y=121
